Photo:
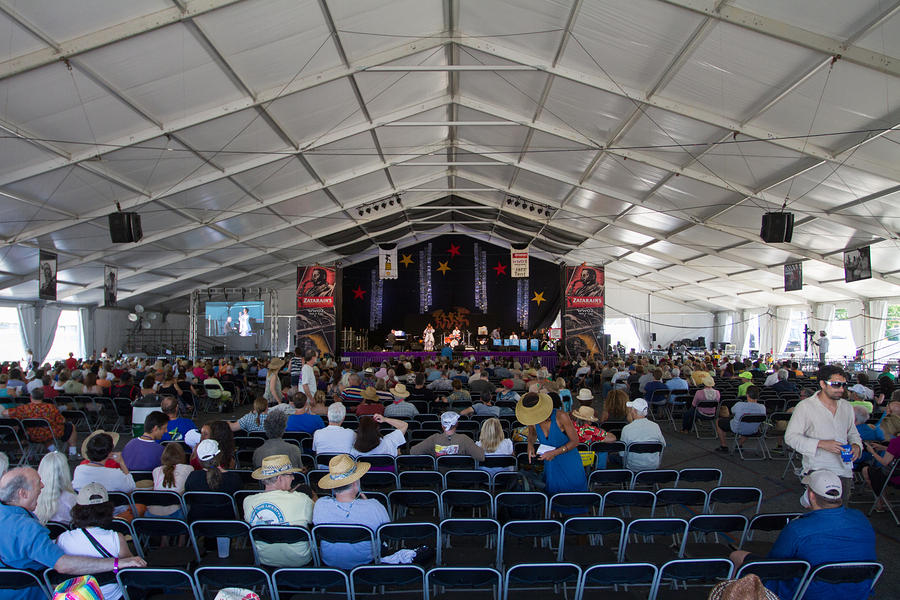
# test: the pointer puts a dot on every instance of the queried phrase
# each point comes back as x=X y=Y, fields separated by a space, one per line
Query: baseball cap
x=822 y=483
x=860 y=389
x=638 y=404
x=207 y=449
x=449 y=419
x=92 y=493
x=746 y=375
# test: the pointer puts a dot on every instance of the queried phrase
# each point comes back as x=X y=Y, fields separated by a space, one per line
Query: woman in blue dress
x=563 y=471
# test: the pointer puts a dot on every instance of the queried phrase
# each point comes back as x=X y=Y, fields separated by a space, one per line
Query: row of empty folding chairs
x=564 y=581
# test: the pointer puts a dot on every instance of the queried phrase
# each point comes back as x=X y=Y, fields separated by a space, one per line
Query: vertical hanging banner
x=387 y=262
x=315 y=309
x=47 y=275
x=518 y=259
x=585 y=310
x=793 y=277
x=110 y=285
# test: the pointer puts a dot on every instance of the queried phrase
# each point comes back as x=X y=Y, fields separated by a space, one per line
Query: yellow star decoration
x=539 y=297
x=406 y=260
x=444 y=267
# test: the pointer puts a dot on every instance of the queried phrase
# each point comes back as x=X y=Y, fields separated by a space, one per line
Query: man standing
x=31 y=547
x=823 y=344
x=279 y=505
x=828 y=533
x=822 y=424
x=641 y=429
x=307 y=382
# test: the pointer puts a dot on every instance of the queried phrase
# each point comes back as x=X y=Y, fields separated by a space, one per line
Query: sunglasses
x=837 y=384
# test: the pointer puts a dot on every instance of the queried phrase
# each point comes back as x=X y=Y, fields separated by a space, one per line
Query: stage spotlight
x=391 y=203
x=360 y=212
x=531 y=208
x=384 y=205
x=516 y=204
x=368 y=209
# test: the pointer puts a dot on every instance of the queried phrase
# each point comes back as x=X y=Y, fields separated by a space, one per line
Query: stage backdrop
x=461 y=283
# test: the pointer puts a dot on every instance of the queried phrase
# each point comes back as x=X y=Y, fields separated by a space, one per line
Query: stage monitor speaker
x=125 y=227
x=777 y=227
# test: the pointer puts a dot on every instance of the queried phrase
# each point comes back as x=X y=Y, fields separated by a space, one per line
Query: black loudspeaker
x=777 y=227
x=652 y=337
x=701 y=342
x=125 y=227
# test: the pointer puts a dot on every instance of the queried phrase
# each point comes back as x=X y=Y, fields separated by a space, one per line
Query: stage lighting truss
x=540 y=210
x=381 y=204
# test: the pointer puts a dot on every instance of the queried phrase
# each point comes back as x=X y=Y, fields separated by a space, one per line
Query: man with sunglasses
x=822 y=424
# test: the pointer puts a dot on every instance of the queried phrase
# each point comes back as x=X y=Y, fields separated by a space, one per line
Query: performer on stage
x=455 y=337
x=244 y=323
x=495 y=334
x=428 y=335
x=513 y=336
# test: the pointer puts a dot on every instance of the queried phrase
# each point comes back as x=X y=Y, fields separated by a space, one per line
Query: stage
x=357 y=359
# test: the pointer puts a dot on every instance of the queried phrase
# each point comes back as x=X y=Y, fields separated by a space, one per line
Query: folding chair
x=56 y=529
x=592 y=540
x=734 y=495
x=210 y=580
x=701 y=475
x=603 y=450
x=626 y=500
x=788 y=571
x=778 y=434
x=726 y=531
x=241 y=551
x=678 y=400
x=647 y=546
x=455 y=462
x=392 y=537
x=610 y=479
x=759 y=436
x=158 y=498
x=20 y=579
x=467 y=480
x=405 y=582
x=179 y=550
x=470 y=542
x=654 y=479
x=210 y=503
x=792 y=466
x=157 y=584
x=703 y=421
x=689 y=579
x=474 y=583
x=766 y=523
x=415 y=462
x=37 y=449
x=643 y=448
x=330 y=539
x=530 y=541
x=505 y=481
x=553 y=581
x=827 y=576
x=11 y=441
x=421 y=480
x=509 y=506
x=264 y=535
x=568 y=504
x=311 y=584
x=616 y=581
x=693 y=501
x=415 y=506
x=379 y=481
x=882 y=496
x=478 y=503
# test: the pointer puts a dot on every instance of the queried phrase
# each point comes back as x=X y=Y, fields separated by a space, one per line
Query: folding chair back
x=415 y=505
x=691 y=500
x=710 y=536
x=654 y=479
x=421 y=480
x=403 y=581
x=241 y=551
x=20 y=579
x=751 y=497
x=330 y=539
x=392 y=537
x=762 y=531
x=469 y=479
x=691 y=578
x=530 y=541
x=474 y=583
x=592 y=540
x=549 y=580
x=478 y=503
x=610 y=479
x=601 y=582
x=626 y=500
x=653 y=540
x=693 y=477
x=848 y=579
x=165 y=543
x=210 y=580
x=282 y=534
x=569 y=504
x=155 y=584
x=791 y=572
x=520 y=505
x=470 y=542
x=311 y=584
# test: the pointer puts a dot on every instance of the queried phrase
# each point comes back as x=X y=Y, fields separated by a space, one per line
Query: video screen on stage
x=243 y=318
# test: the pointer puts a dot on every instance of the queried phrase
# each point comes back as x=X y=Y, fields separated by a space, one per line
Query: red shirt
x=49 y=392
x=71 y=363
x=370 y=408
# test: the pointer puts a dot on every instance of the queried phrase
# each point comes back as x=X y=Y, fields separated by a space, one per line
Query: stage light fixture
x=516 y=204
x=368 y=209
x=391 y=203
x=384 y=205
x=360 y=212
x=531 y=208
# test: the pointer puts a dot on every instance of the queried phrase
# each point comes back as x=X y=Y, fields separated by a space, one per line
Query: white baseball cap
x=207 y=449
x=639 y=405
x=822 y=483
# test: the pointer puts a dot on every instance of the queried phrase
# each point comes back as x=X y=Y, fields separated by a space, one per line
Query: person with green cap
x=748 y=381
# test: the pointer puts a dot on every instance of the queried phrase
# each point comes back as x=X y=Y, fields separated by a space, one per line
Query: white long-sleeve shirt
x=812 y=422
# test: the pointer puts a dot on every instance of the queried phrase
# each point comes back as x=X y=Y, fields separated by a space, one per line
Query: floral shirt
x=589 y=433
x=41 y=410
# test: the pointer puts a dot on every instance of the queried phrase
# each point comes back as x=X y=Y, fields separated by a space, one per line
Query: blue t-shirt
x=370 y=513
x=824 y=536
x=651 y=387
x=305 y=422
x=447 y=352
x=30 y=548
x=176 y=429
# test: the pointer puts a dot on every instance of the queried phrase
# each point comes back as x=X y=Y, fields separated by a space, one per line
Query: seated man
x=334 y=439
x=280 y=504
x=641 y=429
x=783 y=385
x=31 y=547
x=302 y=420
x=144 y=453
x=347 y=506
x=828 y=533
x=484 y=408
x=449 y=442
x=177 y=426
x=274 y=426
x=749 y=407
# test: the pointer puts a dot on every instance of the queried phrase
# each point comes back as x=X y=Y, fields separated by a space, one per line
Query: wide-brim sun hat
x=84 y=444
x=343 y=470
x=585 y=413
x=537 y=413
x=584 y=394
x=275 y=363
x=370 y=393
x=399 y=391
x=273 y=466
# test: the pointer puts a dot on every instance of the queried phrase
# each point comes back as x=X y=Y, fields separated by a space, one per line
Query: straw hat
x=276 y=363
x=369 y=393
x=749 y=587
x=585 y=413
x=343 y=470
x=538 y=413
x=273 y=466
x=584 y=394
x=399 y=391
x=84 y=444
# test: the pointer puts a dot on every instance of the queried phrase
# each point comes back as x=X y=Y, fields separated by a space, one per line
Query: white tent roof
x=249 y=134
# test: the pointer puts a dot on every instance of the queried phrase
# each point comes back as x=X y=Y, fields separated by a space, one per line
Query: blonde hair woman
x=494 y=443
x=57 y=497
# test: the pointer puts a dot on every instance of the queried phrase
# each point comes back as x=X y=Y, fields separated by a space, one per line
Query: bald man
x=31 y=547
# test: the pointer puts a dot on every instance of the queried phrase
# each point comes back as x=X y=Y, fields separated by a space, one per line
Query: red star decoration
x=500 y=269
x=358 y=293
x=454 y=250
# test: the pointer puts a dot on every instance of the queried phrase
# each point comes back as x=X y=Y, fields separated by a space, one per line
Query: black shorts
x=725 y=424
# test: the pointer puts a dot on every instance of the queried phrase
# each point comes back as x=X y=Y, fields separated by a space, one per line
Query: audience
x=448 y=442
x=214 y=477
x=97 y=448
x=334 y=439
x=750 y=406
x=707 y=394
x=302 y=420
x=178 y=426
x=60 y=429
x=254 y=420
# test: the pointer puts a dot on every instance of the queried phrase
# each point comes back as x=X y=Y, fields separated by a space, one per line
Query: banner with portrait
x=387 y=262
x=47 y=275
x=584 y=310
x=110 y=285
x=857 y=264
x=316 y=308
x=793 y=277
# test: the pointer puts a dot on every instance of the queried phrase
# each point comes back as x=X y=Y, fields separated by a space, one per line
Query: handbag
x=85 y=587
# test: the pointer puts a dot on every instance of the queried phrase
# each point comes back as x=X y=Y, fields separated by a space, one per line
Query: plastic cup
x=847 y=453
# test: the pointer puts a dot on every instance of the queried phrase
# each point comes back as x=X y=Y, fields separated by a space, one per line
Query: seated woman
x=614 y=408
x=215 y=477
x=92 y=534
x=171 y=477
x=317 y=407
x=584 y=419
x=253 y=420
x=709 y=394
x=98 y=449
x=494 y=443
x=877 y=477
x=369 y=440
x=57 y=496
